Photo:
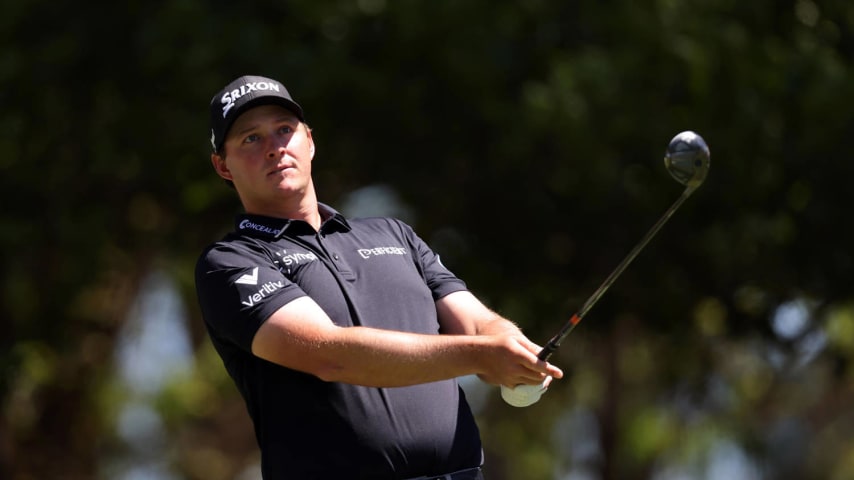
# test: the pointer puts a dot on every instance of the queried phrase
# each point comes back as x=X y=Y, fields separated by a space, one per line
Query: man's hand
x=510 y=358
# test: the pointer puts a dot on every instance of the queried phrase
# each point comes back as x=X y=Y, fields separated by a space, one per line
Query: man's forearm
x=383 y=358
x=496 y=326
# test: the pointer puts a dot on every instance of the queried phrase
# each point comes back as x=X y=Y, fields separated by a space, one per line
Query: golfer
x=344 y=336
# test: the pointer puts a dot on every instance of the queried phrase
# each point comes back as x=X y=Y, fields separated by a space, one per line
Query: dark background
x=525 y=139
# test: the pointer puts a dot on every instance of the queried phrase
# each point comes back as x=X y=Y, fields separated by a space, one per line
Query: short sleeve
x=239 y=288
x=439 y=279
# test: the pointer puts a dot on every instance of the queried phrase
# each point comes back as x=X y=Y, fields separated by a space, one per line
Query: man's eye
x=251 y=138
x=286 y=129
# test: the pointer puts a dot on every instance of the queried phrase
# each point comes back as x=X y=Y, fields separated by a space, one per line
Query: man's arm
x=301 y=336
x=463 y=314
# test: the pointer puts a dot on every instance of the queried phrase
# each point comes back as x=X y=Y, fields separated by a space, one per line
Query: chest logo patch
x=367 y=253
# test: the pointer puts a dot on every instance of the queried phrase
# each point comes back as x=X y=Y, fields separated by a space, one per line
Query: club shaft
x=555 y=341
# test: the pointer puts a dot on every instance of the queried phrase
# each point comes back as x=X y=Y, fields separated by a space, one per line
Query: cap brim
x=256 y=102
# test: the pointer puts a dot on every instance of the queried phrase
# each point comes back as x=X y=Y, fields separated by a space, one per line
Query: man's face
x=267 y=155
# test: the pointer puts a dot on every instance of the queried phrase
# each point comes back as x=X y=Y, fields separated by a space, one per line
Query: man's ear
x=218 y=162
x=310 y=139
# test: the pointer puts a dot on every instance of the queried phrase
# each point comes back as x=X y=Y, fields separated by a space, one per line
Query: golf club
x=687 y=160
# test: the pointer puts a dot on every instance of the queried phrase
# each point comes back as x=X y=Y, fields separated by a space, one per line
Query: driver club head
x=687 y=159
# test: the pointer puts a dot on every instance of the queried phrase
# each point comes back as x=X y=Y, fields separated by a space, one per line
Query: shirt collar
x=331 y=219
x=272 y=227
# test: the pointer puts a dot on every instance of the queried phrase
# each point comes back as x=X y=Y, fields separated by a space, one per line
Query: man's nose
x=277 y=147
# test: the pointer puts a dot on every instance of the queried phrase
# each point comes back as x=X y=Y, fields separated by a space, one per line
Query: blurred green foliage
x=527 y=138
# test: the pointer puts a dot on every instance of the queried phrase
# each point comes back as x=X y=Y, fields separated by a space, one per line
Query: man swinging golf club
x=344 y=336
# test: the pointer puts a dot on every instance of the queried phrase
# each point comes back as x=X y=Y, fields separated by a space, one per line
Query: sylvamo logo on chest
x=289 y=259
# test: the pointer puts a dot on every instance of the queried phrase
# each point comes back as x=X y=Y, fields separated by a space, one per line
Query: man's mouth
x=281 y=168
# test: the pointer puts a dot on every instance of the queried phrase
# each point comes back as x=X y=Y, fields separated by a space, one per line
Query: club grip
x=554 y=343
x=547 y=352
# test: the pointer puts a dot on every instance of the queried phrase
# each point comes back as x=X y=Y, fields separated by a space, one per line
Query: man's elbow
x=329 y=372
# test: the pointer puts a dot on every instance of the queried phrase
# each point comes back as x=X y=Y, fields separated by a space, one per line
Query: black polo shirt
x=371 y=272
